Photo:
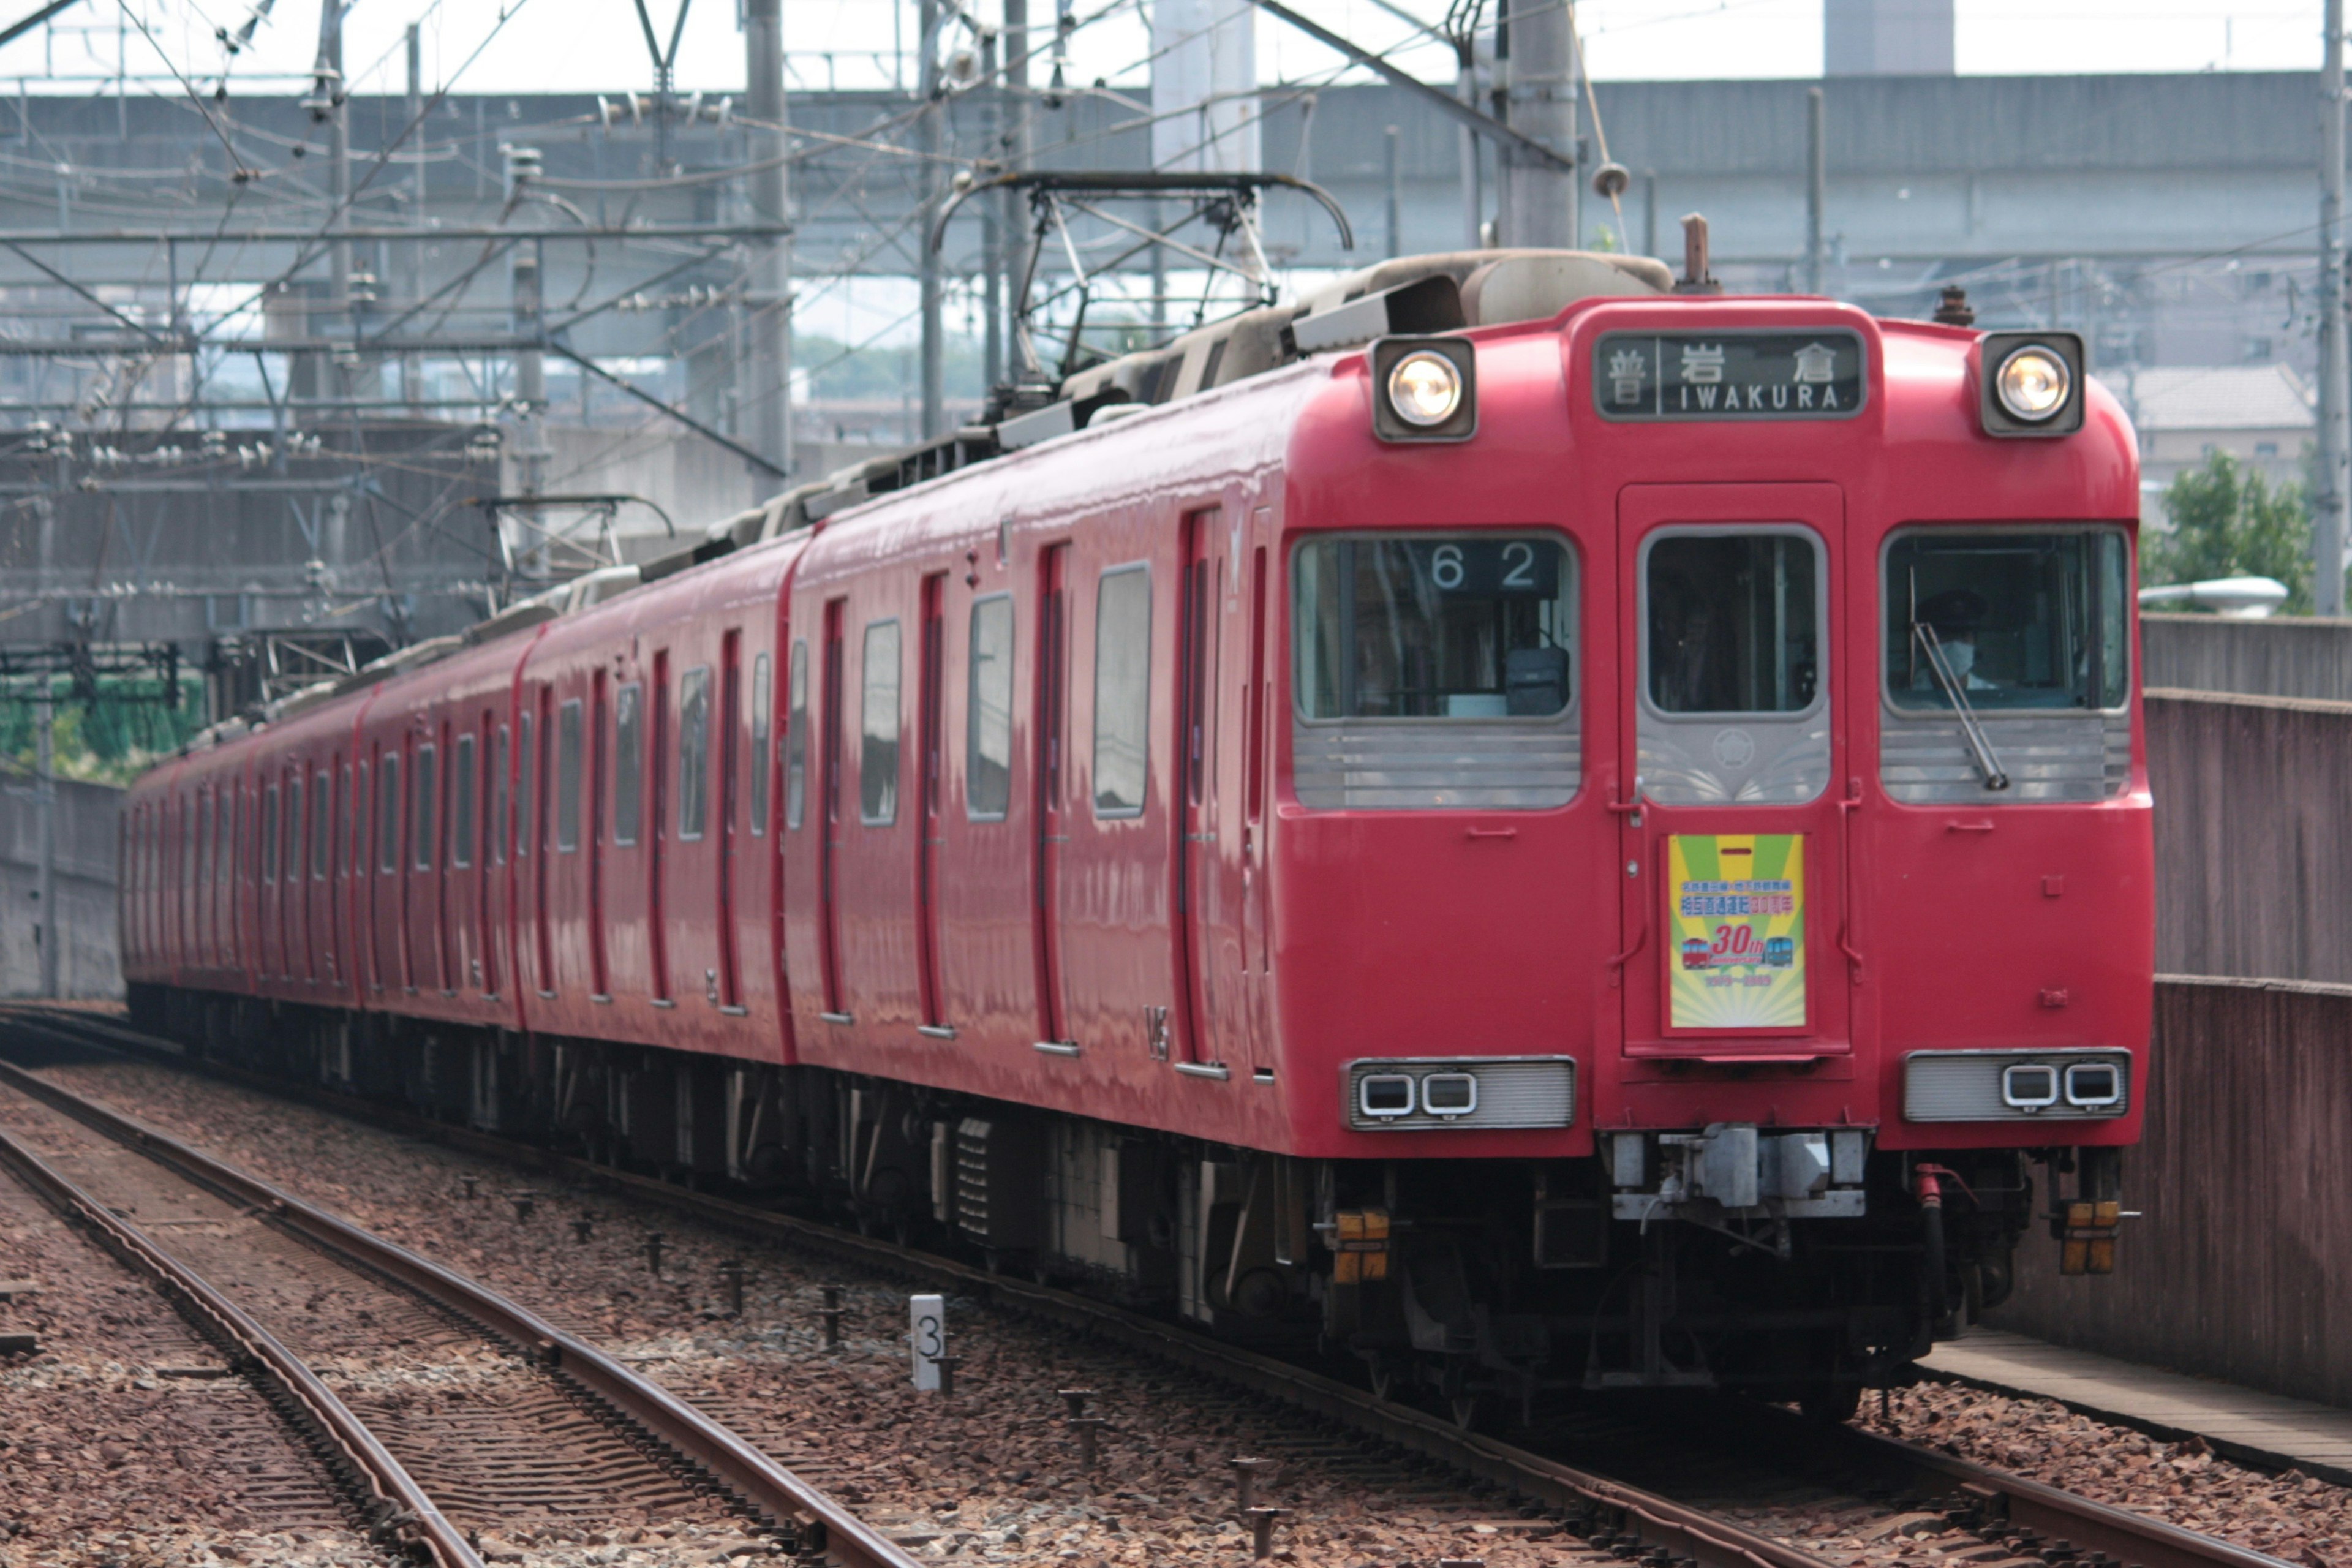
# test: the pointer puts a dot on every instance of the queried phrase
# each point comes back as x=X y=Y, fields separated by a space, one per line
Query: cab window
x=1733 y=621
x=2016 y=618
x=1437 y=626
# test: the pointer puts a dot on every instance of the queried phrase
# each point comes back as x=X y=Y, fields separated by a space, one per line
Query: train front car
x=1713 y=891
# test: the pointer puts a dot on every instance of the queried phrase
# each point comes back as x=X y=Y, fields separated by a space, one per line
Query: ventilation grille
x=1924 y=760
x=1456 y=762
x=1512 y=1092
x=999 y=1182
x=1966 y=1086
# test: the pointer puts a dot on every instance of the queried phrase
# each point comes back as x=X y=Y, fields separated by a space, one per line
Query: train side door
x=1199 y=597
x=1053 y=827
x=726 y=765
x=1733 y=914
x=837 y=998
x=657 y=833
x=930 y=783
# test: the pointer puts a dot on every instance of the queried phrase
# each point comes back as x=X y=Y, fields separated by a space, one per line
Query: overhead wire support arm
x=1054 y=182
x=17 y=29
x=691 y=423
x=1444 y=102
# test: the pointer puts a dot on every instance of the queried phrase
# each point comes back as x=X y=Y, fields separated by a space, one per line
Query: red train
x=1551 y=829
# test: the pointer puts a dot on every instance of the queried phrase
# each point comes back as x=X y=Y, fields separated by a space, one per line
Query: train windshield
x=1436 y=626
x=2012 y=619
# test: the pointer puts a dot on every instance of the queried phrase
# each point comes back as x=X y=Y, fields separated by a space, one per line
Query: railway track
x=1982 y=1517
x=452 y=1409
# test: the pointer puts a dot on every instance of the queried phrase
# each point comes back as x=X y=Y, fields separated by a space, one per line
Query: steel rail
x=403 y=1512
x=751 y=1474
x=2131 y=1539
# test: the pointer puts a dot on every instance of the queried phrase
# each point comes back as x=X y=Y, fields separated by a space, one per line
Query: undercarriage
x=1795 y=1264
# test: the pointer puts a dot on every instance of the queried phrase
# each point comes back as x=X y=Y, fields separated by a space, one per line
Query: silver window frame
x=1569 y=716
x=1827 y=658
x=1095 y=735
x=1986 y=715
x=628 y=769
x=971 y=731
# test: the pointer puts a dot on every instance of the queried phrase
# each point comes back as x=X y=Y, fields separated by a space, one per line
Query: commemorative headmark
x=1729 y=375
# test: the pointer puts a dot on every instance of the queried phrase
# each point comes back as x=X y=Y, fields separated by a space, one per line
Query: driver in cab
x=1954 y=616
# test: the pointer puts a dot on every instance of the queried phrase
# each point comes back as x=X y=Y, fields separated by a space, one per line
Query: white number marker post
x=929 y=1339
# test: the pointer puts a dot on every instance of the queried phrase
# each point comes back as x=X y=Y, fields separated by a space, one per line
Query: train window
x=567 y=776
x=762 y=721
x=494 y=835
x=347 y=804
x=268 y=835
x=322 y=822
x=421 y=830
x=628 y=761
x=387 y=813
x=877 y=755
x=693 y=750
x=528 y=766
x=1440 y=626
x=293 y=851
x=1122 y=689
x=1733 y=622
x=988 y=712
x=462 y=785
x=796 y=737
x=2023 y=618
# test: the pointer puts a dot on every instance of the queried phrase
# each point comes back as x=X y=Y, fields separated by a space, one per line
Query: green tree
x=111 y=741
x=2228 y=520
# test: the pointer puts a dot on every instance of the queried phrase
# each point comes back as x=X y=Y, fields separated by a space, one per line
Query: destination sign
x=1655 y=376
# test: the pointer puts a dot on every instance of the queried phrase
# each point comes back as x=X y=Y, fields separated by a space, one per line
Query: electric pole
x=1539 y=196
x=1817 y=184
x=992 y=227
x=412 y=366
x=327 y=107
x=770 y=392
x=1013 y=144
x=45 y=802
x=2327 y=530
x=927 y=148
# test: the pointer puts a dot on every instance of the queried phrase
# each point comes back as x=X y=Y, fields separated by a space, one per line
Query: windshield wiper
x=1995 y=777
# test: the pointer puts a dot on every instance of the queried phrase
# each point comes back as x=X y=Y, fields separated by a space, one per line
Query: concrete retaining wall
x=2254 y=851
x=2281 y=657
x=2238 y=1267
x=89 y=963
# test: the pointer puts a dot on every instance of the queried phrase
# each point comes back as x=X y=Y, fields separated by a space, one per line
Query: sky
x=534 y=46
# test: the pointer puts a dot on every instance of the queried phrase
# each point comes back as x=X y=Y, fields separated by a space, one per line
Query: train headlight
x=2032 y=384
x=1424 y=388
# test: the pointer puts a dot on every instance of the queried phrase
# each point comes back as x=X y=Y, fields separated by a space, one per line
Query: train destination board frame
x=1676 y=377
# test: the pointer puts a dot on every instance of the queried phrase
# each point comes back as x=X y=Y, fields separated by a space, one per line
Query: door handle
x=1494 y=833
x=1846 y=808
x=1641 y=933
